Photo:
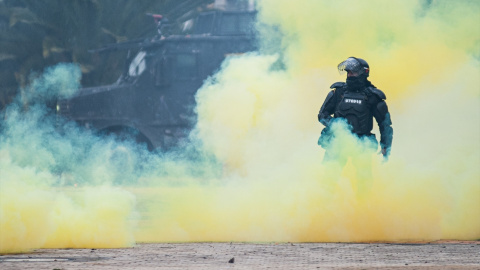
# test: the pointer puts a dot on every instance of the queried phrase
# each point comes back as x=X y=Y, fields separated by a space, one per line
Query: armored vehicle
x=154 y=99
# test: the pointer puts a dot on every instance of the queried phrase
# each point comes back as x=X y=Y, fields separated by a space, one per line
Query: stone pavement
x=439 y=255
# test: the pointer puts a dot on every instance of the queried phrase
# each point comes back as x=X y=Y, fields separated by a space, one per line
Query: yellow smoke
x=262 y=177
x=34 y=214
x=261 y=123
x=41 y=204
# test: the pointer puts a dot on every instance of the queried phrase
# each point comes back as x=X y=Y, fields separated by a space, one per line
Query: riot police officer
x=353 y=105
x=357 y=102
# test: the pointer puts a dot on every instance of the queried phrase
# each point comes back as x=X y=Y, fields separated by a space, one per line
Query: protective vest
x=354 y=107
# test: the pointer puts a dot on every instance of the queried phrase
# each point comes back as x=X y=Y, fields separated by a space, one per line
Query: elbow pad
x=323 y=116
x=386 y=129
x=383 y=109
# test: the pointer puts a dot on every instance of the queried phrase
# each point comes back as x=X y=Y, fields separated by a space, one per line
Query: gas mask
x=356 y=83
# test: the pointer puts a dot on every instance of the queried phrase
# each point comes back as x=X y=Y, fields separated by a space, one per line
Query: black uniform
x=358 y=107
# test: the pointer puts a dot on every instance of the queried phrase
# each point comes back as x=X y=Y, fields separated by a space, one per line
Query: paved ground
x=439 y=255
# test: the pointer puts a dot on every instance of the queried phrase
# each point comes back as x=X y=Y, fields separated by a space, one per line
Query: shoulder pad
x=378 y=93
x=338 y=85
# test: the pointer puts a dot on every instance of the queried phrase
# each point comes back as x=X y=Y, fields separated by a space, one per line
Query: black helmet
x=356 y=65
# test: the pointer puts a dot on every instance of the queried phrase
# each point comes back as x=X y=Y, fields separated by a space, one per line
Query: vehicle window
x=245 y=23
x=185 y=66
x=204 y=24
x=236 y=24
x=229 y=24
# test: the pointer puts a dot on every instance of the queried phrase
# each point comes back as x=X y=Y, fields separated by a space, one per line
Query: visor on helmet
x=351 y=65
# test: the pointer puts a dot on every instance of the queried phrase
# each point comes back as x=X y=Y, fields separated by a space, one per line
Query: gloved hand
x=385 y=153
x=324 y=120
x=325 y=137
